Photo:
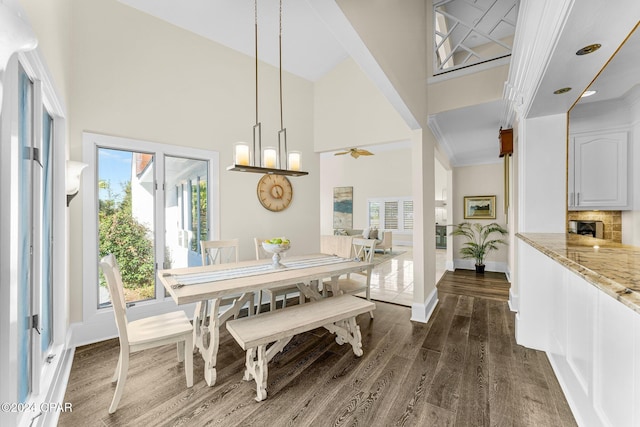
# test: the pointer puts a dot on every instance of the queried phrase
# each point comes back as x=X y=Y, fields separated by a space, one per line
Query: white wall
x=441 y=192
x=350 y=111
x=480 y=180
x=631 y=220
x=133 y=75
x=542 y=174
x=385 y=174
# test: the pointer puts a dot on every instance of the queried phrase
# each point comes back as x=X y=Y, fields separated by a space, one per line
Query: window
x=153 y=205
x=469 y=33
x=391 y=214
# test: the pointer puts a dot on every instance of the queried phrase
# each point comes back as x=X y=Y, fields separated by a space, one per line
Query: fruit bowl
x=276 y=247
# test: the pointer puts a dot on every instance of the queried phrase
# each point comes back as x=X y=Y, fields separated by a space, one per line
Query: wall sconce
x=16 y=36
x=74 y=170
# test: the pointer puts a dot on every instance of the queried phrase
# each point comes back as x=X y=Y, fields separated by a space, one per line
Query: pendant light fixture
x=272 y=161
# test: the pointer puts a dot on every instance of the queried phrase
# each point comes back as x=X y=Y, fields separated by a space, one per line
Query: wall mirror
x=601 y=137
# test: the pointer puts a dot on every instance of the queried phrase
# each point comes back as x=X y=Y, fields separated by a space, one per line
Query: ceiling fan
x=355 y=152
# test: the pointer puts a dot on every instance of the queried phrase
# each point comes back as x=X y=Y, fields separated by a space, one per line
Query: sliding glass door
x=25 y=235
x=126 y=220
x=35 y=236
x=152 y=212
x=186 y=210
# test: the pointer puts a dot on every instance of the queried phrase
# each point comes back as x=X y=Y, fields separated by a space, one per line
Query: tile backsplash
x=611 y=220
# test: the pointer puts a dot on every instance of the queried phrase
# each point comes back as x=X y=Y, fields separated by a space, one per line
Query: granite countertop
x=612 y=267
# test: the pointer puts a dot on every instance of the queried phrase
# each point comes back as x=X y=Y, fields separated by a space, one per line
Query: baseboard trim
x=513 y=301
x=422 y=312
x=468 y=264
x=59 y=385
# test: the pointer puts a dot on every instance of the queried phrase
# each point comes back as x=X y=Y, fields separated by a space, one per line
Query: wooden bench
x=336 y=314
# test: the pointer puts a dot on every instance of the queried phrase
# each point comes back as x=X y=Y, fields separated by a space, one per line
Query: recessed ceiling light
x=563 y=90
x=588 y=93
x=588 y=49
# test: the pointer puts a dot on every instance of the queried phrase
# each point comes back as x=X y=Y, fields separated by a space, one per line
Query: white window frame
x=47 y=366
x=99 y=323
x=382 y=201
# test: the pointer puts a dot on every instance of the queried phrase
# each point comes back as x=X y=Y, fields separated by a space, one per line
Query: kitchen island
x=579 y=301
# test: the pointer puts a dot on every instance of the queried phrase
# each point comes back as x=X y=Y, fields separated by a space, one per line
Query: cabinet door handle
x=577 y=199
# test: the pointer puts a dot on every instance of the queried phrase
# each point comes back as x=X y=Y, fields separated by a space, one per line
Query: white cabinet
x=598 y=171
x=592 y=341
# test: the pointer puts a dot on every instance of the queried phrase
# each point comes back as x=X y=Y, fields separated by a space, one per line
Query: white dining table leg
x=207 y=336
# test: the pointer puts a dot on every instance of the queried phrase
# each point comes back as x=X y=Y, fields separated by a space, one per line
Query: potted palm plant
x=479 y=241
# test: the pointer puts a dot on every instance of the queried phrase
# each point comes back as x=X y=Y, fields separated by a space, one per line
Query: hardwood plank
x=410 y=402
x=490 y=285
x=500 y=342
x=444 y=390
x=435 y=416
x=369 y=403
x=464 y=306
x=474 y=384
x=503 y=396
x=442 y=316
x=557 y=396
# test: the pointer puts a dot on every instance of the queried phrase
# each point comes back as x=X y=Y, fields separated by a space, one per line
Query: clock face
x=275 y=192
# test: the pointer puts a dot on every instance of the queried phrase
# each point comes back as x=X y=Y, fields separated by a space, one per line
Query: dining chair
x=223 y=252
x=273 y=293
x=144 y=333
x=362 y=250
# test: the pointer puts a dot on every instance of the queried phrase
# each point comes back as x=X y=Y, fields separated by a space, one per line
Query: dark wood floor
x=489 y=285
x=462 y=368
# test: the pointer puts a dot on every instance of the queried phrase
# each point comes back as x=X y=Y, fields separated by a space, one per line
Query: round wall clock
x=275 y=192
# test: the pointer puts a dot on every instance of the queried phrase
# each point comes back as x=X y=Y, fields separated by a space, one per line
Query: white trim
x=529 y=62
x=469 y=264
x=422 y=312
x=450 y=266
x=471 y=69
x=99 y=324
x=335 y=20
x=58 y=388
x=514 y=302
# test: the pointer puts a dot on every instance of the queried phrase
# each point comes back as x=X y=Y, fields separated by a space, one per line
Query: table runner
x=237 y=272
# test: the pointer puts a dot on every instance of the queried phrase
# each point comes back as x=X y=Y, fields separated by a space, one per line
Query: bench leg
x=256 y=368
x=348 y=331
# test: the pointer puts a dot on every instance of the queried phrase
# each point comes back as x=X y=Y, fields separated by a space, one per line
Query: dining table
x=208 y=285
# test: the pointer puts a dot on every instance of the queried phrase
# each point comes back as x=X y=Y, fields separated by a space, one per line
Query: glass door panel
x=126 y=220
x=46 y=311
x=186 y=210
x=25 y=233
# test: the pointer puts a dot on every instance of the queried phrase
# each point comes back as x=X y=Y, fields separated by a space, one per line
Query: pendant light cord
x=280 y=57
x=255 y=3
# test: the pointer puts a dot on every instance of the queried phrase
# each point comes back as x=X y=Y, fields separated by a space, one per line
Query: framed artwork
x=480 y=207
x=343 y=207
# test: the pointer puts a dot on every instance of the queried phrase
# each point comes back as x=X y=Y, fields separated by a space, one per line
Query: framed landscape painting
x=480 y=207
x=343 y=207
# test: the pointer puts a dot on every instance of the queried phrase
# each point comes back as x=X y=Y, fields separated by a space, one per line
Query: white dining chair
x=273 y=293
x=144 y=333
x=224 y=252
x=362 y=250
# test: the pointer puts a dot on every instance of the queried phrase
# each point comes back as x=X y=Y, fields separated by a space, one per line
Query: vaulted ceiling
x=313 y=44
